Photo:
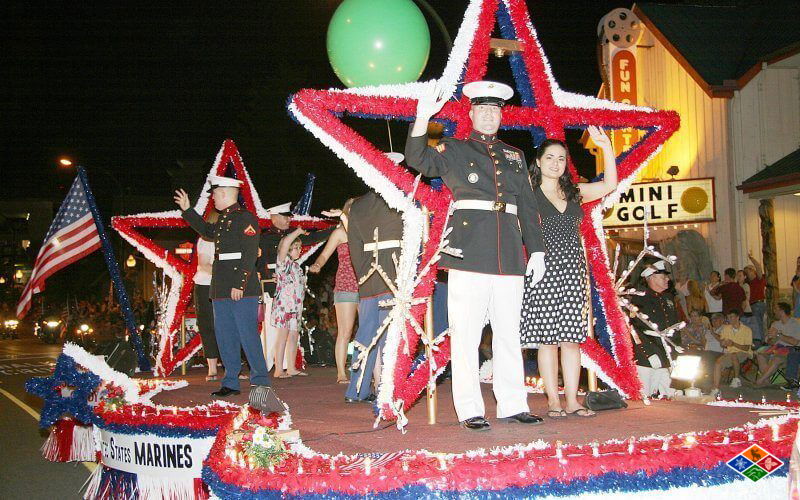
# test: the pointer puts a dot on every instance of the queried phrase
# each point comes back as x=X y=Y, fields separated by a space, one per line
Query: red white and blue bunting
x=671 y=465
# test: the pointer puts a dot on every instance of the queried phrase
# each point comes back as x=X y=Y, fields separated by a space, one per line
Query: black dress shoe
x=226 y=391
x=525 y=418
x=369 y=399
x=476 y=424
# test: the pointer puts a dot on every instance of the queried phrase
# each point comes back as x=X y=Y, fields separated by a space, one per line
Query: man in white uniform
x=495 y=212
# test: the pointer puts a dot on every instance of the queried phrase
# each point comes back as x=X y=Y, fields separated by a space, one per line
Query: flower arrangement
x=265 y=448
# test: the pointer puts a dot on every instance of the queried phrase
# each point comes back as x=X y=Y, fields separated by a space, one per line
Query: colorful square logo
x=755 y=463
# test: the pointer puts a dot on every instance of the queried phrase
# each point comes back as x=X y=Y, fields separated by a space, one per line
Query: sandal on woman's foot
x=298 y=374
x=211 y=378
x=342 y=381
x=556 y=414
x=582 y=412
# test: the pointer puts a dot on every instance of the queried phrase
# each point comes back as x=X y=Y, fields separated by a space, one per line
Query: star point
x=180 y=271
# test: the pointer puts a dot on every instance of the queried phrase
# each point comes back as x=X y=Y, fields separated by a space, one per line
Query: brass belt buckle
x=499 y=206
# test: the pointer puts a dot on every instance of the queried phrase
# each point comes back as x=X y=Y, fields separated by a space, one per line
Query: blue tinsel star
x=76 y=404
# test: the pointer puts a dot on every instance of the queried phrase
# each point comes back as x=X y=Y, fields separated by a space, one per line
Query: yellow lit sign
x=669 y=202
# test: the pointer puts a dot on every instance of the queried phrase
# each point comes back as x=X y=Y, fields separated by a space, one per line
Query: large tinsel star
x=545 y=110
x=66 y=378
x=180 y=271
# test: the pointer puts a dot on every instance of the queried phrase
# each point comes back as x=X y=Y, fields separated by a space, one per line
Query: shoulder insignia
x=440 y=147
x=249 y=230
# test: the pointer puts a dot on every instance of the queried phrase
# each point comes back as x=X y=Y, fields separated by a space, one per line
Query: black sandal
x=587 y=413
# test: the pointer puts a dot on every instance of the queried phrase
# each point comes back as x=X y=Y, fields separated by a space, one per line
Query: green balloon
x=374 y=42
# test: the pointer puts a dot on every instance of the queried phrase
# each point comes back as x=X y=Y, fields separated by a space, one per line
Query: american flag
x=375 y=460
x=72 y=235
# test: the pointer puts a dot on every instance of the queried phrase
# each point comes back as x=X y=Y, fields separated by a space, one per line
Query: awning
x=780 y=178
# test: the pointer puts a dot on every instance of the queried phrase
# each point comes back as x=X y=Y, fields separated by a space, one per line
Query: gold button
x=493 y=153
x=500 y=194
x=496 y=162
x=499 y=184
x=465 y=223
x=499 y=172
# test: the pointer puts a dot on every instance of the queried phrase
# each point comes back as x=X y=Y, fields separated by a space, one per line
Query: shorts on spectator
x=774 y=350
x=340 y=297
x=726 y=360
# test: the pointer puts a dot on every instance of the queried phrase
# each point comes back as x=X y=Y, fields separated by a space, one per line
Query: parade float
x=151 y=442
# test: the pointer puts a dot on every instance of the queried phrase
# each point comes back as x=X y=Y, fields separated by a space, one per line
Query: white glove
x=432 y=100
x=536 y=267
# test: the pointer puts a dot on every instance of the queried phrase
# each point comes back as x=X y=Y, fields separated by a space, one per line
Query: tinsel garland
x=181 y=272
x=679 y=483
x=635 y=464
x=105 y=483
x=65 y=392
x=79 y=382
x=69 y=441
x=198 y=421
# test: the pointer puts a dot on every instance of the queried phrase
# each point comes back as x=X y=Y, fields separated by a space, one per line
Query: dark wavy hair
x=565 y=182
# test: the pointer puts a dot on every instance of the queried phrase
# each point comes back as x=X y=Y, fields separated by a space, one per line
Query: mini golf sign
x=670 y=202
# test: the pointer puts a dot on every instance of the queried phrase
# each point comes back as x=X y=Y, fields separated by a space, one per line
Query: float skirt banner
x=151 y=455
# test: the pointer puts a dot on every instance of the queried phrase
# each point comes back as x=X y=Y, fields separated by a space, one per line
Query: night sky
x=127 y=92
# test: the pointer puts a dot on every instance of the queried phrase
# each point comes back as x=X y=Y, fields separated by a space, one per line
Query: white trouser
x=655 y=380
x=471 y=297
x=269 y=338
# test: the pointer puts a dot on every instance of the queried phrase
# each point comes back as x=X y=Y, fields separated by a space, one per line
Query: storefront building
x=733 y=75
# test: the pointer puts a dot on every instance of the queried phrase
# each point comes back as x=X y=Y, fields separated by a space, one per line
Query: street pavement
x=25 y=474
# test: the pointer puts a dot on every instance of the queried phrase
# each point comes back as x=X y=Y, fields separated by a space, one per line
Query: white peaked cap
x=283 y=208
x=655 y=268
x=485 y=88
x=220 y=181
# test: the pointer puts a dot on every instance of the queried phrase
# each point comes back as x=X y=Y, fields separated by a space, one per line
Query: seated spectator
x=781 y=337
x=737 y=340
x=693 y=336
x=713 y=334
x=712 y=349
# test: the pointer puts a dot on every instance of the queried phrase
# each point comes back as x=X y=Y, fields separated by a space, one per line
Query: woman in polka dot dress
x=554 y=311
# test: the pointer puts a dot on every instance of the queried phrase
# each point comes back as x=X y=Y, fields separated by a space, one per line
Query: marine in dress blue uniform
x=235 y=287
x=650 y=354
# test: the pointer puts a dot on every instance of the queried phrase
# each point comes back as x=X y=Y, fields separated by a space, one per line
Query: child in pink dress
x=287 y=306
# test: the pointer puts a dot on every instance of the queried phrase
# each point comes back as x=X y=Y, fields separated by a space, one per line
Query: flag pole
x=113 y=270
